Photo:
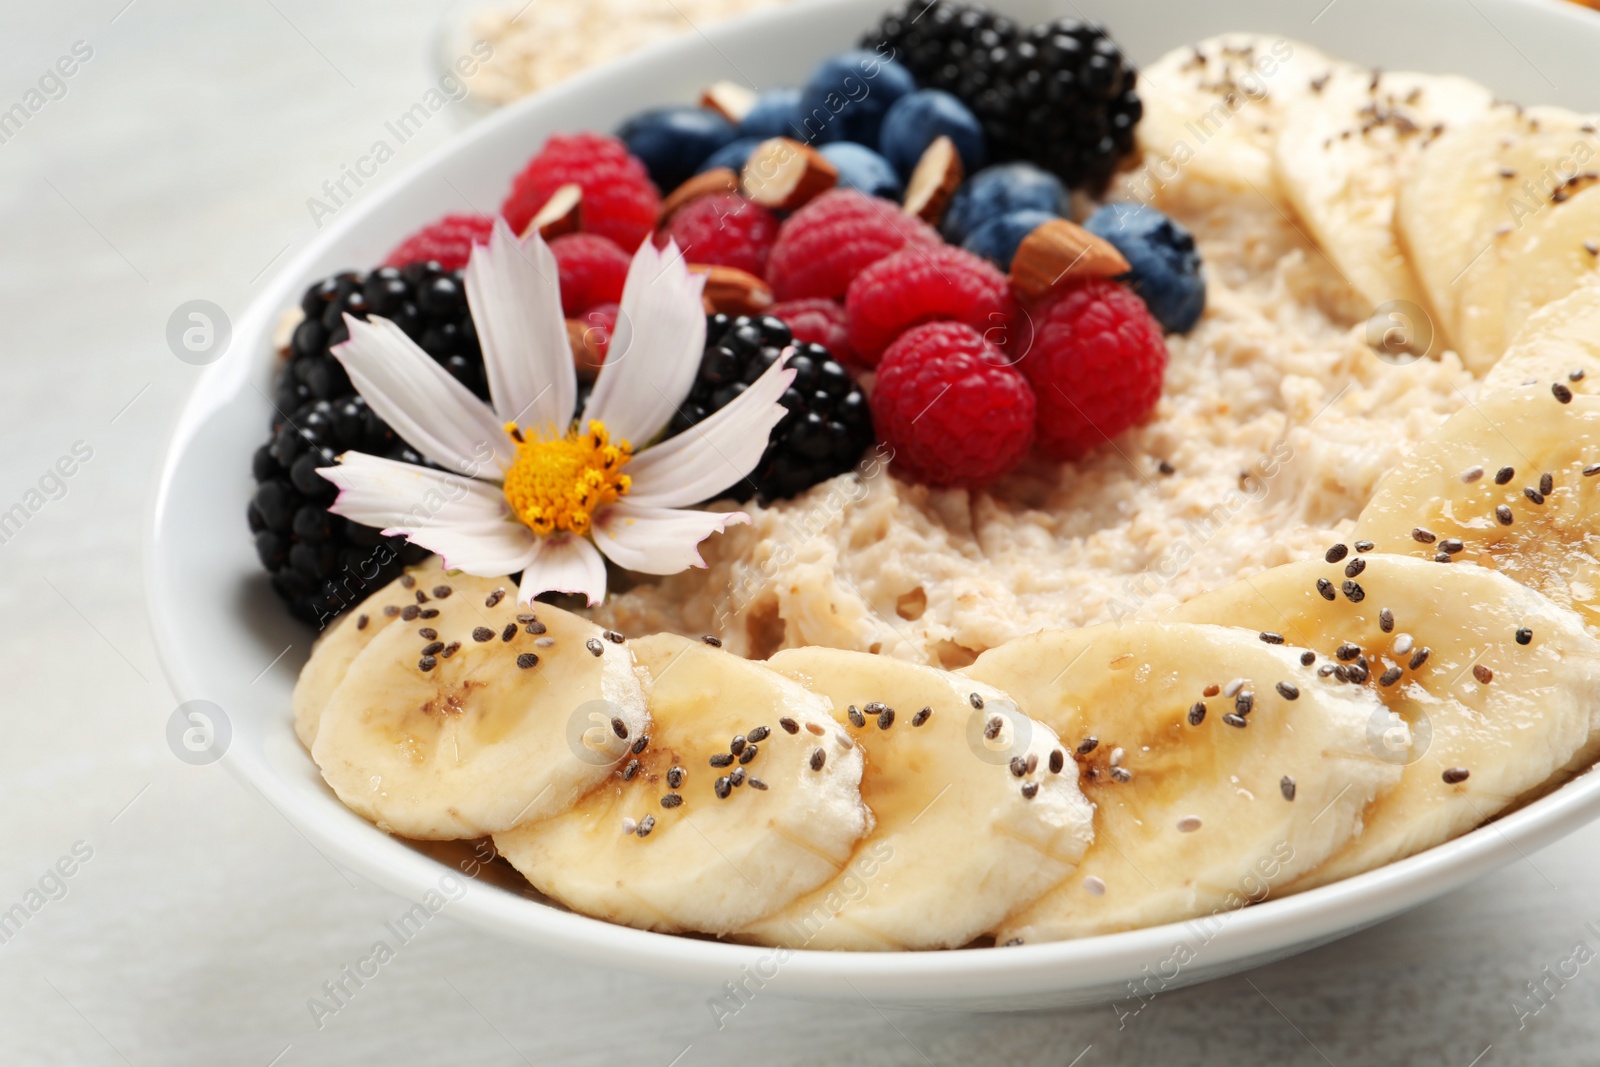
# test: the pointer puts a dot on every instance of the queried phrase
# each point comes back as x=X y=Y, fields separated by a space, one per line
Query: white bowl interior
x=224 y=638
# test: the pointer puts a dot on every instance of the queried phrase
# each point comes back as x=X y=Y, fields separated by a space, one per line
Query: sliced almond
x=783 y=174
x=934 y=181
x=586 y=355
x=729 y=99
x=283 y=332
x=1058 y=252
x=716 y=180
x=733 y=291
x=562 y=213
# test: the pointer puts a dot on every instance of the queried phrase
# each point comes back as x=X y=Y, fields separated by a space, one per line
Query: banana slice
x=1213 y=110
x=1532 y=513
x=1541 y=167
x=963 y=837
x=1342 y=153
x=1558 y=343
x=1439 y=201
x=1558 y=254
x=769 y=802
x=1195 y=813
x=467 y=728
x=1535 y=167
x=1476 y=716
x=335 y=650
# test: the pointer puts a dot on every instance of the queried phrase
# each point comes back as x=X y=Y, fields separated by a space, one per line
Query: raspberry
x=447 y=241
x=600 y=322
x=726 y=230
x=619 y=200
x=954 y=411
x=917 y=285
x=593 y=271
x=823 y=246
x=1095 y=363
x=816 y=320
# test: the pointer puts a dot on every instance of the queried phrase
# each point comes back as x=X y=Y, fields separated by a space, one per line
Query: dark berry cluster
x=1060 y=95
x=827 y=426
x=320 y=563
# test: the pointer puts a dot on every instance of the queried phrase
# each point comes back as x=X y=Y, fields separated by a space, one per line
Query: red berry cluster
x=969 y=379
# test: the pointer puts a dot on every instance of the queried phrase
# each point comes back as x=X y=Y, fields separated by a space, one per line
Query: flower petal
x=655 y=349
x=564 y=563
x=658 y=540
x=384 y=492
x=437 y=415
x=710 y=456
x=485 y=549
x=513 y=288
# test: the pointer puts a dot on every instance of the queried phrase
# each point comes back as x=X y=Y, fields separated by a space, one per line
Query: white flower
x=533 y=491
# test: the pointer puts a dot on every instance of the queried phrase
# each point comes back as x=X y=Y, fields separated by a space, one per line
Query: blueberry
x=673 y=141
x=1167 y=271
x=997 y=239
x=862 y=169
x=731 y=155
x=916 y=119
x=772 y=116
x=997 y=190
x=846 y=98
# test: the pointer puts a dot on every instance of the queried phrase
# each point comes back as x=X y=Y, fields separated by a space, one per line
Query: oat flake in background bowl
x=540 y=42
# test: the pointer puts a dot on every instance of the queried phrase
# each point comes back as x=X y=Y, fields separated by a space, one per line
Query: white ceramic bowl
x=219 y=628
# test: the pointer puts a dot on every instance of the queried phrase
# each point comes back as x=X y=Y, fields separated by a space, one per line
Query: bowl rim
x=1272 y=928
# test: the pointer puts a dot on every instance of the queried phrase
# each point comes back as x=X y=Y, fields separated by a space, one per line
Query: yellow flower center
x=558 y=484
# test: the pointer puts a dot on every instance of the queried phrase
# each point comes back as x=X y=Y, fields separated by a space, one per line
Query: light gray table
x=177 y=166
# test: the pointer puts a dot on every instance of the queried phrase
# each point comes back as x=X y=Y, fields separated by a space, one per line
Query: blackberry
x=951 y=46
x=1060 y=95
x=828 y=424
x=320 y=563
